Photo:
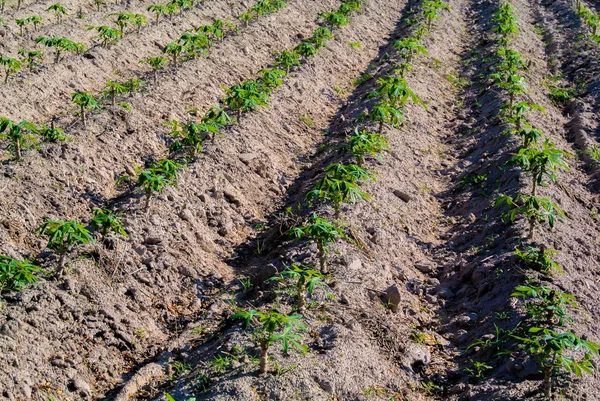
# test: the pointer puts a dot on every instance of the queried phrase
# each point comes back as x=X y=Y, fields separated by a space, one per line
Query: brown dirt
x=122 y=316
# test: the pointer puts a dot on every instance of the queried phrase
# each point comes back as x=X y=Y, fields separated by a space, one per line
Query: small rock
x=325 y=385
x=231 y=196
x=416 y=356
x=246 y=158
x=392 y=297
x=424 y=267
x=153 y=239
x=264 y=274
x=206 y=244
x=445 y=293
x=472 y=218
x=187 y=215
x=82 y=387
x=402 y=195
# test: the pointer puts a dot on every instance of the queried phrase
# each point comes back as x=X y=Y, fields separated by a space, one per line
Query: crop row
x=64 y=236
x=544 y=336
x=107 y=36
x=341 y=184
x=24 y=135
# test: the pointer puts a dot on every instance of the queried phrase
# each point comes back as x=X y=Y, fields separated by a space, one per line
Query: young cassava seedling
x=340 y=185
x=31 y=57
x=545 y=305
x=10 y=65
x=305 y=279
x=550 y=347
x=16 y=274
x=540 y=164
x=63 y=236
x=59 y=10
x=52 y=134
x=156 y=178
x=106 y=221
x=19 y=135
x=86 y=102
x=322 y=232
x=533 y=208
x=539 y=259
x=246 y=97
x=156 y=63
x=271 y=327
x=61 y=45
x=287 y=59
x=106 y=35
x=364 y=143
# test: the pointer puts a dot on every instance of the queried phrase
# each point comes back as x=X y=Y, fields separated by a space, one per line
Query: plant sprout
x=63 y=236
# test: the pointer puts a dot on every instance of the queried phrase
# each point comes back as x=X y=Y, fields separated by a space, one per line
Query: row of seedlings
x=24 y=135
x=65 y=236
x=270 y=327
x=545 y=335
x=339 y=185
x=105 y=35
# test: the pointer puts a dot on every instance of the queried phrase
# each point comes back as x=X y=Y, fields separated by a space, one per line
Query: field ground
x=428 y=267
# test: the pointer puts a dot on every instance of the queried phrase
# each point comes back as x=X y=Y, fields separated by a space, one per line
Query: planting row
x=544 y=335
x=189 y=43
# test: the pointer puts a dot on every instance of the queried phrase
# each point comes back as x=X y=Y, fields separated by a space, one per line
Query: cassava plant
x=158 y=10
x=52 y=134
x=287 y=59
x=61 y=45
x=305 y=279
x=122 y=20
x=31 y=58
x=272 y=327
x=340 y=185
x=15 y=274
x=19 y=135
x=175 y=50
x=218 y=117
x=114 y=89
x=545 y=305
x=364 y=143
x=539 y=259
x=156 y=63
x=64 y=236
x=271 y=79
x=321 y=231
x=189 y=137
x=246 y=97
x=106 y=35
x=10 y=65
x=86 y=102
x=554 y=351
x=59 y=11
x=35 y=20
x=540 y=164
x=535 y=209
x=155 y=179
x=108 y=222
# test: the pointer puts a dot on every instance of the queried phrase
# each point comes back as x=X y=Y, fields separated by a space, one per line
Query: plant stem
x=148 y=199
x=321 y=249
x=264 y=348
x=61 y=262
x=17 y=149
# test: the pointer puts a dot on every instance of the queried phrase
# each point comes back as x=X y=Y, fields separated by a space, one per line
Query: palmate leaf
x=64 y=234
x=16 y=274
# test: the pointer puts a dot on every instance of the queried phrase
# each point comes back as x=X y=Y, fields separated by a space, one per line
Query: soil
x=146 y=315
